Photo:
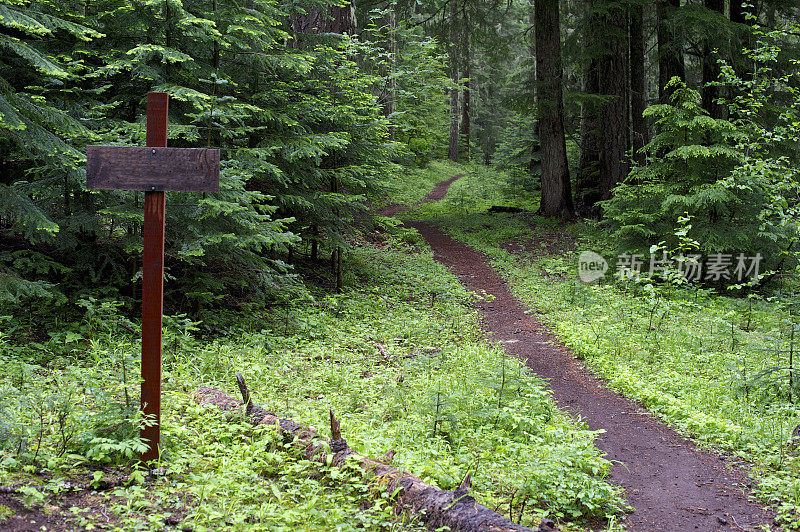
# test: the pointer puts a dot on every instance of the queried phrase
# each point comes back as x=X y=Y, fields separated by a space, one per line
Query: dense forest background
x=667 y=130
x=637 y=111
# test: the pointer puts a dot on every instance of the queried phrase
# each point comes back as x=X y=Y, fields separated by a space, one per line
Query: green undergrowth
x=399 y=357
x=714 y=366
x=413 y=184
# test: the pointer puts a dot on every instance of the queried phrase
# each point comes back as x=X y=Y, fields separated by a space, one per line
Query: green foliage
x=441 y=396
x=767 y=105
x=418 y=73
x=721 y=370
x=698 y=166
x=412 y=185
x=302 y=135
x=518 y=155
x=736 y=178
x=482 y=188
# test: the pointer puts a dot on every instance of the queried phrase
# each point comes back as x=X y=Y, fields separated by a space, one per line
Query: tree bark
x=641 y=135
x=711 y=69
x=452 y=48
x=466 y=99
x=556 y=189
x=437 y=508
x=742 y=39
x=670 y=51
x=614 y=119
x=587 y=183
x=388 y=96
x=533 y=166
x=341 y=20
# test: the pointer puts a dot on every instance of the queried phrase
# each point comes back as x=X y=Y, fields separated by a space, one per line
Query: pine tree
x=41 y=143
x=290 y=120
x=694 y=176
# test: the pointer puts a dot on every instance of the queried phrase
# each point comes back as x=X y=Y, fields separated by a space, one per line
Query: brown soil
x=536 y=245
x=22 y=518
x=671 y=484
x=55 y=514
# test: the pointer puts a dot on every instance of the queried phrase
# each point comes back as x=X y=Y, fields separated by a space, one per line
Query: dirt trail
x=436 y=194
x=672 y=485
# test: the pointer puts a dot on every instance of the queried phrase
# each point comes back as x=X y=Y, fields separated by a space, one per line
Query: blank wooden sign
x=149 y=169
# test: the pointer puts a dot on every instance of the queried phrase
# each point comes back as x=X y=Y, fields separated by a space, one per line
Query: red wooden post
x=153 y=169
x=153 y=282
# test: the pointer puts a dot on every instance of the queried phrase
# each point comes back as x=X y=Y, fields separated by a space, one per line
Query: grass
x=715 y=367
x=446 y=400
x=412 y=184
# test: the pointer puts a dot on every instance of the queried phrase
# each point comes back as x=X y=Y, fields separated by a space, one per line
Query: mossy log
x=437 y=508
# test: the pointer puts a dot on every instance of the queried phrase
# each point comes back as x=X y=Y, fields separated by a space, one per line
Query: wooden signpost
x=153 y=169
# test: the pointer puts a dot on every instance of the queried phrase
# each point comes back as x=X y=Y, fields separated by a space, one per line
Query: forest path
x=672 y=485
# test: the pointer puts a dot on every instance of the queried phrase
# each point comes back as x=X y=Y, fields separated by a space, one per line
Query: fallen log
x=502 y=208
x=437 y=508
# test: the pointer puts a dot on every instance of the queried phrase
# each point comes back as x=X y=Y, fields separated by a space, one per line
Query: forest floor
x=403 y=357
x=669 y=481
x=399 y=356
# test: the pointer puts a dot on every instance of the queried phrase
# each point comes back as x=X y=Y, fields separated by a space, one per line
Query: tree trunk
x=638 y=83
x=670 y=51
x=465 y=108
x=711 y=69
x=614 y=118
x=556 y=193
x=739 y=15
x=587 y=184
x=388 y=96
x=452 y=48
x=533 y=167
x=315 y=243
x=341 y=20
